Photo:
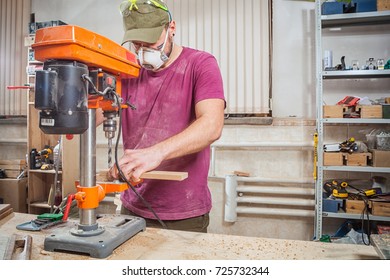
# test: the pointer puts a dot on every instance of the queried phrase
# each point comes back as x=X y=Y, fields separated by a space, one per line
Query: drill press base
x=100 y=243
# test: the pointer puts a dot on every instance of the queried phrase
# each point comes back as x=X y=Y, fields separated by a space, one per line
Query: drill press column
x=88 y=166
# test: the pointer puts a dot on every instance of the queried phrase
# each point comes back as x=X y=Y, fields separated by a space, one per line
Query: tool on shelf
x=337 y=190
x=347 y=146
x=365 y=192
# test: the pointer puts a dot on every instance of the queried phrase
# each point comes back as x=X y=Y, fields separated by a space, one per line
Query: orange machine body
x=69 y=42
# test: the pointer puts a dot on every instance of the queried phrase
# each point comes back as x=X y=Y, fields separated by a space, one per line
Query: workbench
x=160 y=244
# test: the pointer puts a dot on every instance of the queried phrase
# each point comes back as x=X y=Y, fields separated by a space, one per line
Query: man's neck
x=176 y=51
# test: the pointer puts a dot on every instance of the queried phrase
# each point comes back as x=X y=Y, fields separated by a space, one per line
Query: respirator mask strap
x=164 y=56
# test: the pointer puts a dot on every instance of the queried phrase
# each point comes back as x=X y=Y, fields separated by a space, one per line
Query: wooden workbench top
x=159 y=244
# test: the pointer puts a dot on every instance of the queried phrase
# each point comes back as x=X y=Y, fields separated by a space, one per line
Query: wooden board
x=5 y=210
x=12 y=173
x=242 y=173
x=165 y=175
x=12 y=166
x=20 y=162
x=103 y=176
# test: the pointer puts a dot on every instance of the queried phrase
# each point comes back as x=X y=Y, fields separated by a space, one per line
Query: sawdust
x=158 y=244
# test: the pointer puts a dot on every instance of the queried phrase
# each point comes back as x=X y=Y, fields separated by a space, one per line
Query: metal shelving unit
x=368 y=18
x=333 y=21
x=356 y=74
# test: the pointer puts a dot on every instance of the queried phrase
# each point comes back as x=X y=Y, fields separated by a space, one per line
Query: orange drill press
x=82 y=72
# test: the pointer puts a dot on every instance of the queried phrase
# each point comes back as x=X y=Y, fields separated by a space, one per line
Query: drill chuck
x=109 y=127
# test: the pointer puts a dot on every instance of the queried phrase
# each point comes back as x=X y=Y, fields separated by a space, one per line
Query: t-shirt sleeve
x=208 y=79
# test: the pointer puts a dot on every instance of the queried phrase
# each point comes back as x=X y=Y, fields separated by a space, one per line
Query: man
x=179 y=112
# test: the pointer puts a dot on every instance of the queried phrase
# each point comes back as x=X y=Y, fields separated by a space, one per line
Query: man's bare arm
x=202 y=132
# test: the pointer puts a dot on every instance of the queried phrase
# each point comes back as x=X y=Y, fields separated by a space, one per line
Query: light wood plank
x=103 y=175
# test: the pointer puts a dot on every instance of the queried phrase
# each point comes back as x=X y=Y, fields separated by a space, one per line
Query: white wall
x=100 y=16
x=293 y=76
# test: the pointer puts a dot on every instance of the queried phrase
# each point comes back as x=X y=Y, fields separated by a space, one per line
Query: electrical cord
x=365 y=210
x=120 y=170
x=107 y=91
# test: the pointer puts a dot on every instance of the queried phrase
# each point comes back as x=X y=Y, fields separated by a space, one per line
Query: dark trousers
x=196 y=224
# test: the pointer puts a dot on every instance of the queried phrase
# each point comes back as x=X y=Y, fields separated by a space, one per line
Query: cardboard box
x=333 y=159
x=357 y=159
x=383 y=5
x=334 y=111
x=354 y=206
x=369 y=111
x=380 y=158
x=379 y=208
x=14 y=192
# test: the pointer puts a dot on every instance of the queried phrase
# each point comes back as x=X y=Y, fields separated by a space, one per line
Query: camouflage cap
x=144 y=20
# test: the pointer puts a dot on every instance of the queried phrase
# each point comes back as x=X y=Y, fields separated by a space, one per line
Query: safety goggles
x=130 y=5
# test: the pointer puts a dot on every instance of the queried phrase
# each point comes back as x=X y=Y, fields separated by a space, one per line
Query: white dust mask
x=152 y=59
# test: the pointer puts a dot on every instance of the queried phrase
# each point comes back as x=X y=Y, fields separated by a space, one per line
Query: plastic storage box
x=365 y=6
x=332 y=205
x=331 y=8
x=383 y=142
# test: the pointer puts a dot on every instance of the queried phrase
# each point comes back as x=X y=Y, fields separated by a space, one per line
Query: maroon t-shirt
x=165 y=102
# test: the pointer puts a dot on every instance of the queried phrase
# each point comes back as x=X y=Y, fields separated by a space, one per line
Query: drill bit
x=109 y=153
x=109 y=127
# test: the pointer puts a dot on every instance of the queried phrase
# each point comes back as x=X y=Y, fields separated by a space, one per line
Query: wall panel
x=236 y=32
x=14 y=18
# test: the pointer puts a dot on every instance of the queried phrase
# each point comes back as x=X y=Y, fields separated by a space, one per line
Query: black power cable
x=120 y=170
x=363 y=195
x=365 y=210
x=108 y=91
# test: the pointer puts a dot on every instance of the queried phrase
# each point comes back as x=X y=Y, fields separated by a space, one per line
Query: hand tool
x=18 y=248
x=41 y=222
x=347 y=146
x=335 y=189
x=366 y=192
